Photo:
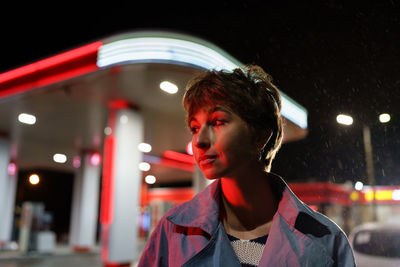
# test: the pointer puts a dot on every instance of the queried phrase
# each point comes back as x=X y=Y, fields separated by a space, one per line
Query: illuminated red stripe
x=177 y=164
x=63 y=66
x=175 y=195
x=185 y=158
x=107 y=191
x=321 y=193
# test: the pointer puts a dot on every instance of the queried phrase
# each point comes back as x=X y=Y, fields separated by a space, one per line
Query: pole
x=370 y=167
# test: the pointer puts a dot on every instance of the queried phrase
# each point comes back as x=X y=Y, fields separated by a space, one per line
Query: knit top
x=249 y=252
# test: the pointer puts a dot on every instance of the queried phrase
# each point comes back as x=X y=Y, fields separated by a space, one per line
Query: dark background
x=54 y=191
x=330 y=56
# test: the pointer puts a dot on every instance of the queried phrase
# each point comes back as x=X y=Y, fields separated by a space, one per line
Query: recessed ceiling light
x=169 y=87
x=144 y=147
x=144 y=166
x=60 y=158
x=150 y=179
x=27 y=118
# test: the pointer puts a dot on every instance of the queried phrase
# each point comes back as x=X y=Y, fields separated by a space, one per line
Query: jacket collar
x=203 y=210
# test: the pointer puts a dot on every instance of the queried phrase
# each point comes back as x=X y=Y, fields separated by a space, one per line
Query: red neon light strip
x=63 y=66
x=321 y=193
x=175 y=195
x=47 y=81
x=107 y=191
x=50 y=62
x=177 y=164
x=185 y=158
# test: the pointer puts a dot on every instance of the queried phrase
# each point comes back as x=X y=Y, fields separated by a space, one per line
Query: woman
x=247 y=216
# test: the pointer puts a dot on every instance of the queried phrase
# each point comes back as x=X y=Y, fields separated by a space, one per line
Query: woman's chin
x=211 y=175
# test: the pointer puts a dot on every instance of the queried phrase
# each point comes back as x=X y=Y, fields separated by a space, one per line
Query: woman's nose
x=203 y=138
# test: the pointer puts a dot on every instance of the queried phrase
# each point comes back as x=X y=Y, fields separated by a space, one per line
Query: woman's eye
x=218 y=122
x=194 y=129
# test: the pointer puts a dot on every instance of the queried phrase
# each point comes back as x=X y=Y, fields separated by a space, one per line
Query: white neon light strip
x=293 y=111
x=155 y=49
x=177 y=51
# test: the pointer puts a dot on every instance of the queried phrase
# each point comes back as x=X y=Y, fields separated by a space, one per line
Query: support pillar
x=121 y=188
x=85 y=200
x=8 y=187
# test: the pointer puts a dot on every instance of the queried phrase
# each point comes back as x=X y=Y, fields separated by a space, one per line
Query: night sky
x=330 y=56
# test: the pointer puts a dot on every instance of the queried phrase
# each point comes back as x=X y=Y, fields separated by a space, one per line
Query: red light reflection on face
x=222 y=144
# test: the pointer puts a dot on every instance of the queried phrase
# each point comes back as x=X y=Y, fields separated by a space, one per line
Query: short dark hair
x=247 y=91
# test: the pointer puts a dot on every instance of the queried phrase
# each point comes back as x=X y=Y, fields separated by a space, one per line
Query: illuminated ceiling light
x=27 y=118
x=95 y=159
x=60 y=158
x=169 y=87
x=358 y=186
x=144 y=166
x=144 y=147
x=107 y=130
x=150 y=179
x=123 y=119
x=344 y=119
x=34 y=179
x=384 y=118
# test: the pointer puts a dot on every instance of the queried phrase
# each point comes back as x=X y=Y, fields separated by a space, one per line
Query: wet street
x=62 y=257
x=87 y=260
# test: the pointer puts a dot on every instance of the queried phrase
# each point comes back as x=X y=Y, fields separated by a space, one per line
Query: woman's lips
x=207 y=159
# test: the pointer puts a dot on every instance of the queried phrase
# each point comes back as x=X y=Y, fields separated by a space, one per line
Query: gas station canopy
x=70 y=95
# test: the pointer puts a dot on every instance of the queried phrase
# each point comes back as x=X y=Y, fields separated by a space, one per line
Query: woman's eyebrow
x=218 y=109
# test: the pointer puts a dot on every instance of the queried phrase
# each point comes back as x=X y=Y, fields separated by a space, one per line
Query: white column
x=84 y=215
x=8 y=186
x=120 y=243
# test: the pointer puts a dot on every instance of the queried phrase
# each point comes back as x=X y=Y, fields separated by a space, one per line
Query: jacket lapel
x=287 y=246
x=218 y=252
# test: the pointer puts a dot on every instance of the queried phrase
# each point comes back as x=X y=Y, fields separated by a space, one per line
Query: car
x=376 y=244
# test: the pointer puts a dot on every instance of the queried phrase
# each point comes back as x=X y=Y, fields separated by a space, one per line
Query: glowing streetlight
x=344 y=119
x=348 y=120
x=358 y=186
x=384 y=118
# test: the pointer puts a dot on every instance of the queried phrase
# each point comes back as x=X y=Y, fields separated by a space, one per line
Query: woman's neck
x=249 y=205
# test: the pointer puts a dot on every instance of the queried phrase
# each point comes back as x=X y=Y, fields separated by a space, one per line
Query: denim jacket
x=191 y=234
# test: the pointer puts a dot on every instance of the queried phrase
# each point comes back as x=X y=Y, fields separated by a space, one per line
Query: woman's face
x=222 y=143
